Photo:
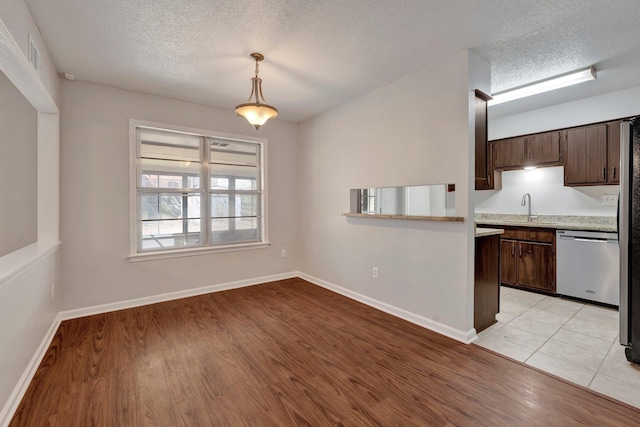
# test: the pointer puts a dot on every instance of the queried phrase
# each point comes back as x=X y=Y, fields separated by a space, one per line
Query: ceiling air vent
x=34 y=54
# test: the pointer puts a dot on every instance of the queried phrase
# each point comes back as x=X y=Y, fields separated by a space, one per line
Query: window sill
x=151 y=256
x=409 y=217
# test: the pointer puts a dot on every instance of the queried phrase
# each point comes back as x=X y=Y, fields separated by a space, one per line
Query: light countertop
x=410 y=217
x=484 y=232
x=557 y=222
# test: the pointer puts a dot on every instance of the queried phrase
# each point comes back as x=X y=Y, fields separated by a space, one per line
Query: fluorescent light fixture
x=530 y=168
x=553 y=83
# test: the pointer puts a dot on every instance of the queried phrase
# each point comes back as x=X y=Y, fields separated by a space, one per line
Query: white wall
x=549 y=196
x=19 y=169
x=27 y=309
x=95 y=199
x=416 y=130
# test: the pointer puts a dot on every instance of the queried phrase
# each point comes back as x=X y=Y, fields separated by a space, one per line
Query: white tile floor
x=574 y=341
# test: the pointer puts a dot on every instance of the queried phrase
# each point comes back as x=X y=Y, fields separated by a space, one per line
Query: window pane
x=220 y=205
x=169 y=205
x=233 y=230
x=233 y=152
x=219 y=183
x=228 y=177
x=247 y=205
x=234 y=205
x=170 y=233
x=169 y=174
x=245 y=184
x=169 y=145
x=248 y=224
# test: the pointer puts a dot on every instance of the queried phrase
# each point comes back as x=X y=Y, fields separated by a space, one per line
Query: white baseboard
x=458 y=335
x=138 y=302
x=20 y=389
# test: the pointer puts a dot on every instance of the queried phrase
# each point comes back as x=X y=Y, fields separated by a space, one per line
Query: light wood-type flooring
x=288 y=353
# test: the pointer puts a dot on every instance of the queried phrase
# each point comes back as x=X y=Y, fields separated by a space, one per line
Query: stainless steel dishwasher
x=587 y=265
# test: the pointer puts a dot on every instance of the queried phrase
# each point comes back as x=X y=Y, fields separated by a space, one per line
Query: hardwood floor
x=288 y=353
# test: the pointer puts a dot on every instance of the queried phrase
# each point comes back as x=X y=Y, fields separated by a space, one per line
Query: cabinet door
x=509 y=153
x=483 y=179
x=487 y=282
x=613 y=151
x=508 y=265
x=542 y=148
x=586 y=162
x=535 y=265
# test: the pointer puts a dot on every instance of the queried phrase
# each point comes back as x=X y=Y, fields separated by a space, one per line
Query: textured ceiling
x=321 y=53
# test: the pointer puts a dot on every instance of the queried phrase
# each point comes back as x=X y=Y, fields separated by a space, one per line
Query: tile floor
x=572 y=340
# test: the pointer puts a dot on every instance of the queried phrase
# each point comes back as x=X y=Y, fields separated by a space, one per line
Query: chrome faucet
x=524 y=203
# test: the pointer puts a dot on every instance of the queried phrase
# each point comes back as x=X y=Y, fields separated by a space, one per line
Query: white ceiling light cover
x=547 y=85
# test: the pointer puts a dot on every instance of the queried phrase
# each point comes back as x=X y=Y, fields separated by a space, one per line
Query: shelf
x=409 y=217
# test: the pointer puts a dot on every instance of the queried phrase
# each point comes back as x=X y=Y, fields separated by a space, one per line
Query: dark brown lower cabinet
x=535 y=266
x=527 y=259
x=508 y=262
x=487 y=282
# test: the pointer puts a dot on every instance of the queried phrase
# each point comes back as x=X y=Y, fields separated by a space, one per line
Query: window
x=195 y=191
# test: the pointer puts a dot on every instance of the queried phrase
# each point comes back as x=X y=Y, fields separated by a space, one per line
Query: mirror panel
x=414 y=200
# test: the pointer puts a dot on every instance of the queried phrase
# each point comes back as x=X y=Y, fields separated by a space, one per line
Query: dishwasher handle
x=598 y=239
x=584 y=239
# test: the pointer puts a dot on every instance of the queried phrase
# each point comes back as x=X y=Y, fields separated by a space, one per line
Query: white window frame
x=134 y=253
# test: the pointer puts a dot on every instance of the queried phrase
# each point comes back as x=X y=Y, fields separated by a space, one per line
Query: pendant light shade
x=256 y=110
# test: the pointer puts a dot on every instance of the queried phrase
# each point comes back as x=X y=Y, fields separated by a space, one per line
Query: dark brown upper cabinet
x=542 y=149
x=484 y=166
x=590 y=154
x=586 y=156
x=613 y=152
x=509 y=153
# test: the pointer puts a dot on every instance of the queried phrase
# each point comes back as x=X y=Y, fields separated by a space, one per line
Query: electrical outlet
x=53 y=289
x=283 y=253
x=610 y=199
x=376 y=273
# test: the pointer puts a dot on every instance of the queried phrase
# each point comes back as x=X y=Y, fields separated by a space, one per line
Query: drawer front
x=530 y=234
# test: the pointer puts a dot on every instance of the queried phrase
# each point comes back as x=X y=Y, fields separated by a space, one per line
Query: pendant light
x=256 y=110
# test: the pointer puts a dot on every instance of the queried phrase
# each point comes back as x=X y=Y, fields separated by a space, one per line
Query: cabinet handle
x=521 y=251
x=604 y=174
x=614 y=172
x=513 y=249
